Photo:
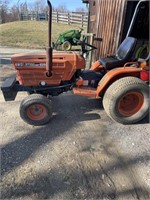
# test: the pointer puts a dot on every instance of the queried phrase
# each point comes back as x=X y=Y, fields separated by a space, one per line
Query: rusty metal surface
x=49 y=48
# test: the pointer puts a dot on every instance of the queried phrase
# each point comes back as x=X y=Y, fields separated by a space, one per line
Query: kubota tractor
x=122 y=83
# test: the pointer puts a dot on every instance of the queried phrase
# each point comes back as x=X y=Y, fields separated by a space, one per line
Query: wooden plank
x=108 y=24
x=60 y=17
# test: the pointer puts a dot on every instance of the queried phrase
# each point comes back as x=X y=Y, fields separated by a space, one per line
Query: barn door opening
x=139 y=28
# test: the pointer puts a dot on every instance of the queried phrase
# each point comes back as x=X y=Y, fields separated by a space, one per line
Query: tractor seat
x=123 y=54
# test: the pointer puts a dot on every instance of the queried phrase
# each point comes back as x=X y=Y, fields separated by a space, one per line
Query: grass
x=30 y=34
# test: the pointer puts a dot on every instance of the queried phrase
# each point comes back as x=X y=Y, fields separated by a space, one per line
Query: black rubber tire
x=117 y=91
x=30 y=101
x=66 y=46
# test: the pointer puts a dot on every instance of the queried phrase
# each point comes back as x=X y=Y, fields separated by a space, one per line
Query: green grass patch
x=30 y=34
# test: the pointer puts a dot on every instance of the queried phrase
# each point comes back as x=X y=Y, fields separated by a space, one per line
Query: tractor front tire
x=66 y=46
x=36 y=109
x=127 y=100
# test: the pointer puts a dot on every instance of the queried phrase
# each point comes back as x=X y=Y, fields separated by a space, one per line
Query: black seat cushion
x=123 y=54
x=110 y=63
x=91 y=75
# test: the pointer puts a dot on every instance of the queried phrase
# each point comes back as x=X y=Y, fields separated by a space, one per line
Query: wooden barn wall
x=105 y=21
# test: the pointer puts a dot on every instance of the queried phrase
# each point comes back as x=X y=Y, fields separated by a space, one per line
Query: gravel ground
x=80 y=154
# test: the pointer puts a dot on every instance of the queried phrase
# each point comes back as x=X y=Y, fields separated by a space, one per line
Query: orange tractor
x=121 y=83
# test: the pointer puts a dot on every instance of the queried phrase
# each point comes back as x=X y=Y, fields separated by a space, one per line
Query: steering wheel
x=84 y=45
x=81 y=29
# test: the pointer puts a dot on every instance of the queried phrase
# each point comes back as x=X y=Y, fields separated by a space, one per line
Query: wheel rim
x=36 y=112
x=130 y=104
x=66 y=46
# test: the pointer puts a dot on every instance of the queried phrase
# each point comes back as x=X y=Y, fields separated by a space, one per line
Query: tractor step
x=7 y=88
x=85 y=91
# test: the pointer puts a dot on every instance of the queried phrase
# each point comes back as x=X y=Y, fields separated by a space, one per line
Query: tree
x=60 y=8
x=14 y=14
x=4 y=10
x=23 y=7
x=80 y=9
x=40 y=6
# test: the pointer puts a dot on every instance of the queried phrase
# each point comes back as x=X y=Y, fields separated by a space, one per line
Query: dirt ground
x=80 y=154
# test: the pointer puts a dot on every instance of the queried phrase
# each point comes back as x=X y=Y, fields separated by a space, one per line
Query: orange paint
x=115 y=74
x=130 y=103
x=96 y=66
x=31 y=68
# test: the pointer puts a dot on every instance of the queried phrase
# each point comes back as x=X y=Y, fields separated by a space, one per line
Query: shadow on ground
x=88 y=175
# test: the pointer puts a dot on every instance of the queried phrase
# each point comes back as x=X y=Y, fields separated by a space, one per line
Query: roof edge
x=85 y=1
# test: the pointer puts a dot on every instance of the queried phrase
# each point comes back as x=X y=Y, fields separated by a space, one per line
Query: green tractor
x=68 y=39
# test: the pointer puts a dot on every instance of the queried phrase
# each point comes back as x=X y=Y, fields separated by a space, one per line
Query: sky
x=69 y=4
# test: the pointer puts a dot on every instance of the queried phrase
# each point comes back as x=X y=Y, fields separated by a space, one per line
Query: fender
x=114 y=75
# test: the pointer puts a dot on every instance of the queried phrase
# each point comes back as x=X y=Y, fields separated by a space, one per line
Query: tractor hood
x=31 y=68
x=25 y=59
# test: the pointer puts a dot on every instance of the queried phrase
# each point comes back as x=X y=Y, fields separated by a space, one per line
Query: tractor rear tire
x=66 y=46
x=127 y=100
x=36 y=109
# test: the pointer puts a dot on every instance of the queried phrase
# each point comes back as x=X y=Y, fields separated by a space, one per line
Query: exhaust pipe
x=49 y=50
